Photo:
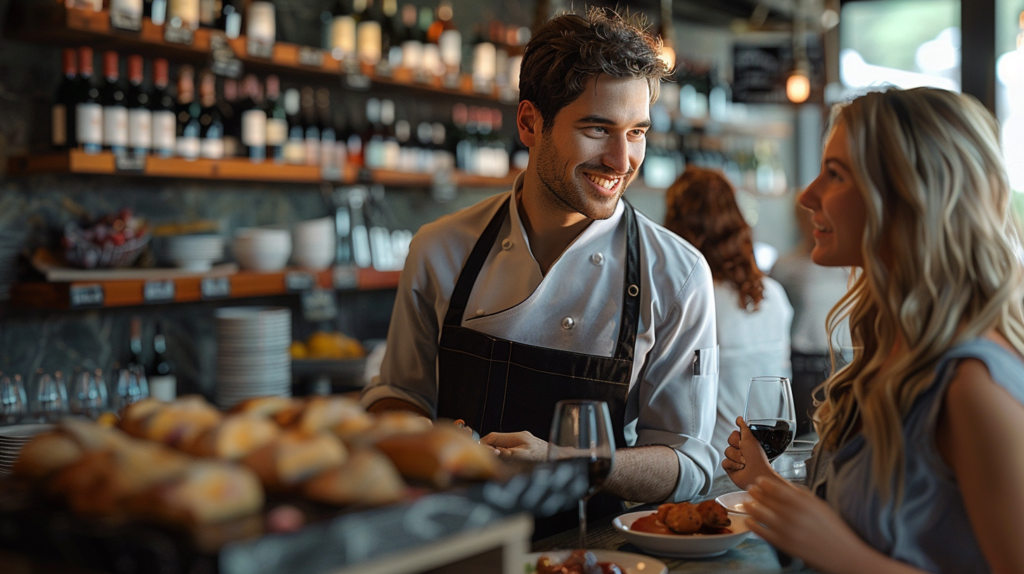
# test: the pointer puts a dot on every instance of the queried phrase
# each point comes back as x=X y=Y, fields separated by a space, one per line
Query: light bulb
x=798 y=87
x=668 y=55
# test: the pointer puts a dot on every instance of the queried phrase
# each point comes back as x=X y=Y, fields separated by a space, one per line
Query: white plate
x=18 y=433
x=631 y=563
x=734 y=501
x=682 y=545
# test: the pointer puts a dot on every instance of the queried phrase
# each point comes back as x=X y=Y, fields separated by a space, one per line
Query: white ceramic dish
x=682 y=545
x=632 y=563
x=734 y=501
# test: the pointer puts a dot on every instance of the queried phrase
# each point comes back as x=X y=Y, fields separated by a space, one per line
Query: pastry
x=367 y=477
x=295 y=457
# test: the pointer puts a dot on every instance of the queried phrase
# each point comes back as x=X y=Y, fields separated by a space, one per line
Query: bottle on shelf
x=115 y=109
x=431 y=65
x=449 y=42
x=497 y=34
x=391 y=149
x=411 y=39
x=373 y=137
x=209 y=13
x=211 y=124
x=94 y=5
x=485 y=62
x=355 y=154
x=188 y=110
x=140 y=117
x=227 y=105
x=135 y=342
x=260 y=29
x=230 y=18
x=341 y=32
x=391 y=36
x=307 y=103
x=295 y=147
x=163 y=383
x=277 y=121
x=62 y=112
x=328 y=135
x=254 y=120
x=183 y=14
x=155 y=11
x=369 y=35
x=126 y=14
x=164 y=118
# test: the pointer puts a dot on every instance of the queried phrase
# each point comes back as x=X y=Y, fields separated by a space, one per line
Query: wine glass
x=50 y=397
x=127 y=388
x=770 y=414
x=85 y=397
x=581 y=431
x=13 y=400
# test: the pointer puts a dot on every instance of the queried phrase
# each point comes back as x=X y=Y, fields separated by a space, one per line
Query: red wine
x=774 y=439
x=598 y=470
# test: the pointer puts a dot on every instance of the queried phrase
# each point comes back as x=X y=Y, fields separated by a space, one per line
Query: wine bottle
x=342 y=32
x=295 y=147
x=328 y=135
x=312 y=132
x=498 y=35
x=391 y=36
x=188 y=142
x=183 y=14
x=230 y=19
x=135 y=342
x=412 y=42
x=155 y=10
x=354 y=152
x=254 y=120
x=164 y=120
x=126 y=14
x=211 y=124
x=260 y=29
x=431 y=64
x=277 y=122
x=140 y=118
x=162 y=381
x=391 y=149
x=368 y=34
x=232 y=118
x=115 y=110
x=485 y=61
x=62 y=112
x=449 y=40
x=209 y=13
x=373 y=137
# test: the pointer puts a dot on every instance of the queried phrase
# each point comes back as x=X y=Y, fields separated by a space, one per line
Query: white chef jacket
x=575 y=307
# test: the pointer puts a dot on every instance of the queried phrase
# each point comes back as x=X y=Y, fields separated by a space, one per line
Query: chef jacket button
x=507 y=244
x=568 y=323
x=597 y=259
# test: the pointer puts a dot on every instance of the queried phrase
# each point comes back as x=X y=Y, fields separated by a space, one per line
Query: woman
x=922 y=434
x=753 y=315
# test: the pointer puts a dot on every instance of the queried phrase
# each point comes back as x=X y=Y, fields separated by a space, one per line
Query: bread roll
x=295 y=457
x=180 y=422
x=323 y=413
x=135 y=413
x=207 y=492
x=439 y=456
x=236 y=436
x=367 y=477
x=266 y=406
x=381 y=426
x=46 y=453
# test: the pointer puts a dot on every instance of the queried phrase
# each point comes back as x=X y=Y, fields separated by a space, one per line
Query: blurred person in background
x=812 y=290
x=752 y=312
x=921 y=455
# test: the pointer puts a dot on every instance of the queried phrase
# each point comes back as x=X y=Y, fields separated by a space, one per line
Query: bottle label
x=450 y=44
x=485 y=62
x=186 y=11
x=188 y=147
x=115 y=126
x=212 y=148
x=277 y=131
x=343 y=37
x=163 y=132
x=59 y=124
x=140 y=128
x=412 y=54
x=312 y=151
x=126 y=14
x=261 y=25
x=295 y=151
x=369 y=42
x=254 y=128
x=89 y=124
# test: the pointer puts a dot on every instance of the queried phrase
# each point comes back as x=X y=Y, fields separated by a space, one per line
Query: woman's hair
x=941 y=256
x=569 y=50
x=701 y=208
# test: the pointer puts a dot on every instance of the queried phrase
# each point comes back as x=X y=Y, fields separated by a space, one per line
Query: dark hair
x=570 y=49
x=701 y=208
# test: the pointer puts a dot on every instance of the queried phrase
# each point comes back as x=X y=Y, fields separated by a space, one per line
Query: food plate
x=682 y=545
x=734 y=501
x=633 y=563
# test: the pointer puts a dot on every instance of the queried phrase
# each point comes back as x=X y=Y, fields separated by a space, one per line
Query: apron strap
x=629 y=322
x=467 y=277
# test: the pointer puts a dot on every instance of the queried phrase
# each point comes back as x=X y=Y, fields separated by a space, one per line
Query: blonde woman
x=921 y=461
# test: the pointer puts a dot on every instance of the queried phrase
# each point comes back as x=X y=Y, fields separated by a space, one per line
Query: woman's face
x=838 y=213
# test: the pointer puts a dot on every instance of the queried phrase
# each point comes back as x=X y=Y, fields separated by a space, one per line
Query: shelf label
x=224 y=61
x=127 y=21
x=330 y=173
x=86 y=296
x=311 y=57
x=158 y=291
x=259 y=48
x=451 y=81
x=130 y=162
x=299 y=280
x=346 y=277
x=215 y=287
x=177 y=34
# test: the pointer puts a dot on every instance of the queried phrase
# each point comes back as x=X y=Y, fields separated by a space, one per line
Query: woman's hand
x=745 y=460
x=520 y=445
x=800 y=524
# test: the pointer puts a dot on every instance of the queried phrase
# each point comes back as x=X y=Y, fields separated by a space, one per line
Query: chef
x=558 y=289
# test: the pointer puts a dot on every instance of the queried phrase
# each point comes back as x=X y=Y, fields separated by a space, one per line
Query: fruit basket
x=116 y=240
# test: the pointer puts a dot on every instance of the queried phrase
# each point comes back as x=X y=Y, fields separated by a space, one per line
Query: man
x=559 y=290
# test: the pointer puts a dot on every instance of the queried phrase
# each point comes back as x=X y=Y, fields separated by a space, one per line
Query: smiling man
x=559 y=289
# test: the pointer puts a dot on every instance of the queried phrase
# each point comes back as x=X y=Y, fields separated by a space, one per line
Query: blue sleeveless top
x=930 y=530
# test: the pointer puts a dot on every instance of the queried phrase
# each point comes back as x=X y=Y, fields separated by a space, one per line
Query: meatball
x=713 y=515
x=684 y=518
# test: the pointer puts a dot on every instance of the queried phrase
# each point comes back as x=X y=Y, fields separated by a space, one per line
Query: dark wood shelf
x=235 y=169
x=53 y=23
x=131 y=292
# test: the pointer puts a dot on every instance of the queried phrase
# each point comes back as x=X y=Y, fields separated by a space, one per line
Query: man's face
x=594 y=147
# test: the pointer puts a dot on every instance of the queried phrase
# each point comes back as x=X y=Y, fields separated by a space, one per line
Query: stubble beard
x=572 y=195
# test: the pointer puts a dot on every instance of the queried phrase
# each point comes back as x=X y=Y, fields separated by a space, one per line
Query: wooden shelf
x=235 y=169
x=129 y=292
x=52 y=22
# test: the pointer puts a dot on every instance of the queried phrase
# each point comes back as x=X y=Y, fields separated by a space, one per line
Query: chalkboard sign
x=760 y=71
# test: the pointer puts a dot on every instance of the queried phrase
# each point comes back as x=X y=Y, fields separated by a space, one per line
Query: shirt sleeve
x=677 y=407
x=408 y=371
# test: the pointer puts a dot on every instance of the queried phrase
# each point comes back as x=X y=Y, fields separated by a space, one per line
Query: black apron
x=496 y=385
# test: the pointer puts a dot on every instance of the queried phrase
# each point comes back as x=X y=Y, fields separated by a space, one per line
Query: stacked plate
x=195 y=252
x=12 y=438
x=252 y=353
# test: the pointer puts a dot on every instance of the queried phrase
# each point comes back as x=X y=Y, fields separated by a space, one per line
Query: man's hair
x=570 y=49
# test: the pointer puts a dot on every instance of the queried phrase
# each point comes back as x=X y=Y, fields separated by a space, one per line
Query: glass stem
x=583 y=523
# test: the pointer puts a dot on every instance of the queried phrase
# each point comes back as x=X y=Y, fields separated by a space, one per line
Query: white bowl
x=314 y=230
x=251 y=255
x=682 y=545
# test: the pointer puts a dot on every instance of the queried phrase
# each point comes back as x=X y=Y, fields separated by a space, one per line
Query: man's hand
x=520 y=445
x=745 y=460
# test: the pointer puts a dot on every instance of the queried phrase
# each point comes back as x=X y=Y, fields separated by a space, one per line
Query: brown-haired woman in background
x=752 y=312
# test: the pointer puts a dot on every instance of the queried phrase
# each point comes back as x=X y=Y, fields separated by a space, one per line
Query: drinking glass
x=770 y=414
x=581 y=431
x=85 y=397
x=49 y=395
x=127 y=389
x=13 y=400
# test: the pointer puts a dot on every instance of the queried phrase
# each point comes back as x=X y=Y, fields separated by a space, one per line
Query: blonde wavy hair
x=941 y=251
